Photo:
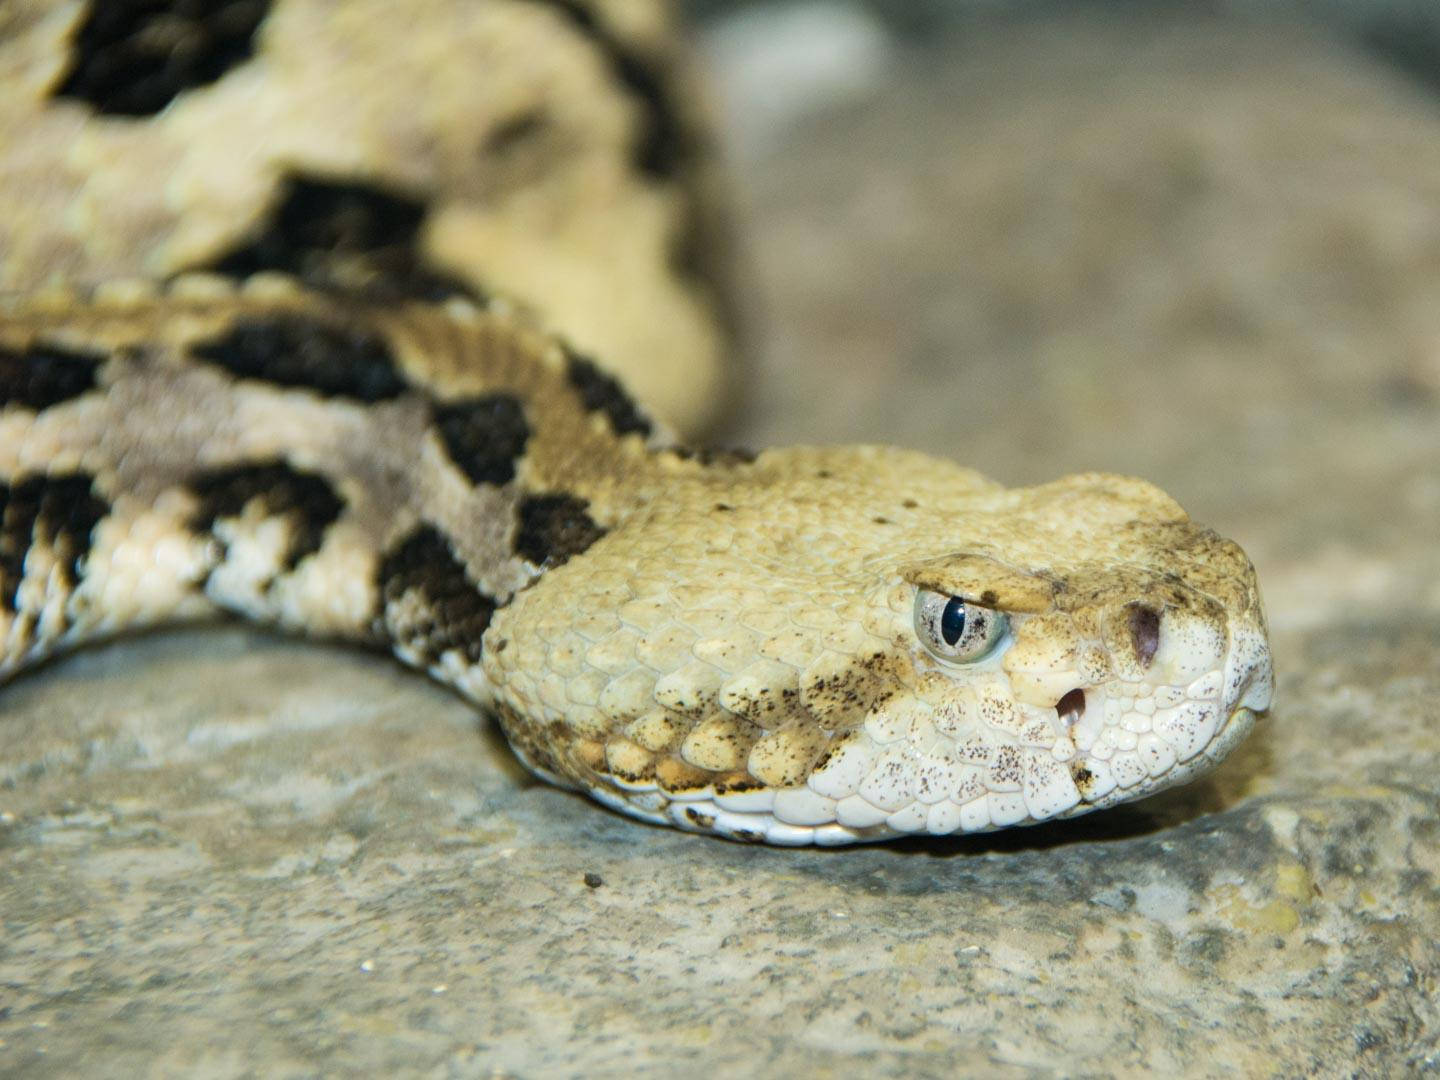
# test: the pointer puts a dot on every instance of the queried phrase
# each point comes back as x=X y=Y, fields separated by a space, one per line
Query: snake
x=815 y=645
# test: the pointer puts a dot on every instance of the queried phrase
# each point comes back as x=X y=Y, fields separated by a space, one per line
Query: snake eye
x=955 y=631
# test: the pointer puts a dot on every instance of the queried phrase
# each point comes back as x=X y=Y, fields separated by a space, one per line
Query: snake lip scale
x=815 y=645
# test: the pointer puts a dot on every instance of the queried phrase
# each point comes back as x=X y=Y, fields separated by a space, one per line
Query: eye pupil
x=952 y=621
x=955 y=632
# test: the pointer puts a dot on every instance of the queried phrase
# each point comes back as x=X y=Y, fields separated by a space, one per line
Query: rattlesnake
x=809 y=645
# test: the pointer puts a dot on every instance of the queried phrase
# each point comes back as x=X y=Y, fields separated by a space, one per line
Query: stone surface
x=1193 y=251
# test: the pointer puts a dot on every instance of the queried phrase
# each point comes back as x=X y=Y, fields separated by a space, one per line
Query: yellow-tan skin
x=737 y=654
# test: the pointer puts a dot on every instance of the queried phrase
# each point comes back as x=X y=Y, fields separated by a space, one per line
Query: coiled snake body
x=814 y=645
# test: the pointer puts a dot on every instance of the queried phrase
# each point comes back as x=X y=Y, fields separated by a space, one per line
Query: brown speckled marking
x=849 y=688
x=677 y=777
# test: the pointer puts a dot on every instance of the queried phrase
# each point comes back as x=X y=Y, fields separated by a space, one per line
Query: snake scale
x=814 y=645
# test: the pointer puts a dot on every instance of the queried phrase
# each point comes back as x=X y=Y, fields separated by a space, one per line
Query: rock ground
x=1203 y=252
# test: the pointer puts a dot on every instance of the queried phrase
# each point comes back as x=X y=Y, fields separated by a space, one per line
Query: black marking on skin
x=1144 y=626
x=302 y=351
x=736 y=783
x=552 y=528
x=308 y=500
x=601 y=392
x=484 y=436
x=456 y=611
x=45 y=375
x=661 y=147
x=59 y=511
x=346 y=237
x=134 y=57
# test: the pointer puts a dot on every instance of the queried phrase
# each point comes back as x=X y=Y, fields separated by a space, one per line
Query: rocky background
x=1199 y=247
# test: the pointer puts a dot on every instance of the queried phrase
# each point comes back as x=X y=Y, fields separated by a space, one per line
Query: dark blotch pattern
x=1144 y=626
x=307 y=500
x=456 y=611
x=601 y=392
x=484 y=436
x=58 y=512
x=350 y=238
x=553 y=528
x=300 y=351
x=134 y=57
x=45 y=375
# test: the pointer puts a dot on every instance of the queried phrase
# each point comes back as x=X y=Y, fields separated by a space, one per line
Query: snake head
x=1121 y=649
x=837 y=645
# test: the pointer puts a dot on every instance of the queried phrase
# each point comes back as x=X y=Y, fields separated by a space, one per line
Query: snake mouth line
x=1237 y=725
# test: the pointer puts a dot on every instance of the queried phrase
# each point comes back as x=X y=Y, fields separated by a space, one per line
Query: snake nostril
x=1144 y=625
x=1071 y=707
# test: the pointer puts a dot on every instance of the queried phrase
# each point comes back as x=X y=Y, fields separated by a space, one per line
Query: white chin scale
x=798 y=816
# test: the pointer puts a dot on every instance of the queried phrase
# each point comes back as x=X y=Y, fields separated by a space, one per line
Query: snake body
x=815 y=645
x=716 y=642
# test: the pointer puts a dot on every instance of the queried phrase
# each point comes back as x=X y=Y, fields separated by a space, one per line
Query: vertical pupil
x=952 y=621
